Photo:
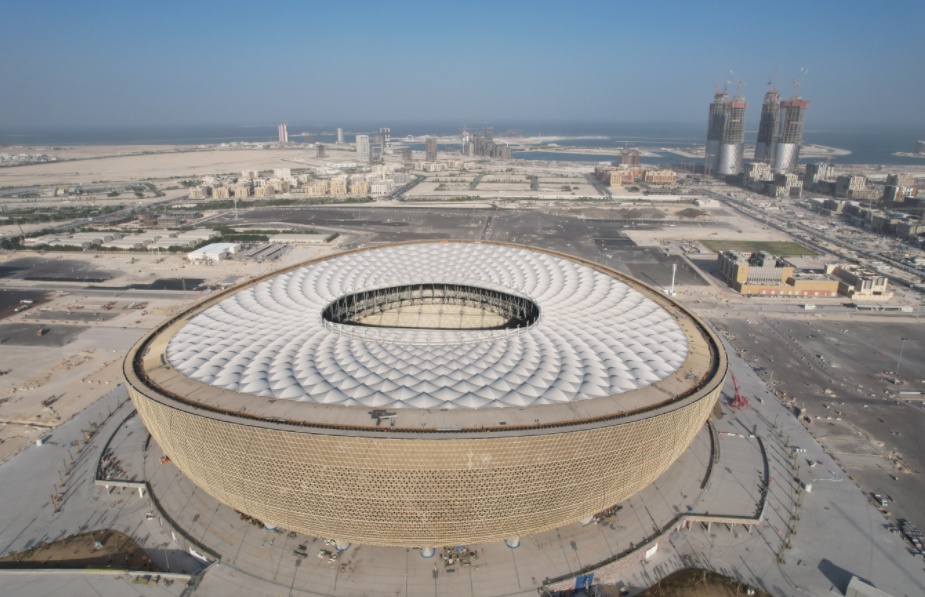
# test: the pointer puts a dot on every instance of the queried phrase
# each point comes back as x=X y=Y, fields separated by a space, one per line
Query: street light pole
x=900 y=361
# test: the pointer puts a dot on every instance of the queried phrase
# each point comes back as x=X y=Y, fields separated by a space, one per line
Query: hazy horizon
x=208 y=63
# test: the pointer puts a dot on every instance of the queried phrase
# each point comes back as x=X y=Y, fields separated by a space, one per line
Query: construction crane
x=739 y=400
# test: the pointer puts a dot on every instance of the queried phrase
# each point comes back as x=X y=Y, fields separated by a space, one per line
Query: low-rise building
x=338 y=186
x=381 y=187
x=359 y=186
x=221 y=193
x=660 y=177
x=859 y=283
x=849 y=186
x=765 y=274
x=317 y=188
x=200 y=192
x=214 y=252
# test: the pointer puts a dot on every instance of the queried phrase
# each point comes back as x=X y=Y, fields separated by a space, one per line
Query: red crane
x=739 y=401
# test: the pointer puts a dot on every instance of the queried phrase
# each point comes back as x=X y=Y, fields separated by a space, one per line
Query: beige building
x=264 y=192
x=765 y=274
x=860 y=283
x=200 y=192
x=221 y=193
x=381 y=187
x=317 y=188
x=280 y=185
x=359 y=186
x=338 y=186
x=660 y=177
x=242 y=191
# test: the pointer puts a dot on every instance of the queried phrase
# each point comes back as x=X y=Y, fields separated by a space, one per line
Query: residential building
x=362 y=146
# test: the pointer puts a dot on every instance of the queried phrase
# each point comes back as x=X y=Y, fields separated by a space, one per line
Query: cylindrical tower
x=715 y=128
x=767 y=128
x=733 y=145
x=787 y=152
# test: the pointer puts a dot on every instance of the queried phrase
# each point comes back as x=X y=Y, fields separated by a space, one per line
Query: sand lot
x=123 y=164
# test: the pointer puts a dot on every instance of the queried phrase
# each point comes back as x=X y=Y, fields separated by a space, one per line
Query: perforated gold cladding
x=413 y=492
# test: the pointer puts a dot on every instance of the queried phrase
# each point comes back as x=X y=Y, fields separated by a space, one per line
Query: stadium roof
x=595 y=337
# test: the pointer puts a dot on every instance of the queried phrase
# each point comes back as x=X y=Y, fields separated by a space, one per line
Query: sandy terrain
x=175 y=164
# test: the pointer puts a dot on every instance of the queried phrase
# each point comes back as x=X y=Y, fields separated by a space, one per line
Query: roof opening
x=433 y=306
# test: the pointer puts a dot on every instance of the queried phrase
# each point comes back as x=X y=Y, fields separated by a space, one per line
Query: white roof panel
x=596 y=336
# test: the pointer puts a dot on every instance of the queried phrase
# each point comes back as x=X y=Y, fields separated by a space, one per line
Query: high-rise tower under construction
x=787 y=152
x=767 y=127
x=715 y=129
x=733 y=148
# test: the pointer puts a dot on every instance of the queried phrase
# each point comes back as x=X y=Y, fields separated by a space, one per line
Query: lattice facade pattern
x=414 y=492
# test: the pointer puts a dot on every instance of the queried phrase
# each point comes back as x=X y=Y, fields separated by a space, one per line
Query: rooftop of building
x=603 y=345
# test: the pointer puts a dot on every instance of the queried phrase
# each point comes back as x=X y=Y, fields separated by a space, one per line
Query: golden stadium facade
x=424 y=394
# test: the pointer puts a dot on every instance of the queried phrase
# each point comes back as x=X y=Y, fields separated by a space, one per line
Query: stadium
x=428 y=393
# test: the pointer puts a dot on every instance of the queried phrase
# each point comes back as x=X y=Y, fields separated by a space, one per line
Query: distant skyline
x=118 y=63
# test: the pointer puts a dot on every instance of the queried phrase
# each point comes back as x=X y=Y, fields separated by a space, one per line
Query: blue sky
x=114 y=63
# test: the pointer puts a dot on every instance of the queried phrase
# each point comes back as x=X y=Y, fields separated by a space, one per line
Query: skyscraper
x=489 y=134
x=715 y=128
x=767 y=127
x=385 y=135
x=431 y=149
x=362 y=143
x=283 y=133
x=732 y=149
x=340 y=136
x=787 y=152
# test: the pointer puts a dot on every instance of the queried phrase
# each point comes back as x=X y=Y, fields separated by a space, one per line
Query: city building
x=385 y=138
x=768 y=127
x=660 y=177
x=264 y=191
x=732 y=149
x=214 y=252
x=431 y=149
x=899 y=187
x=489 y=134
x=362 y=143
x=765 y=274
x=221 y=192
x=816 y=173
x=359 y=186
x=243 y=191
x=282 y=172
x=200 y=192
x=715 y=127
x=860 y=283
x=283 y=133
x=338 y=186
x=787 y=151
x=381 y=187
x=629 y=157
x=850 y=186
x=436 y=409
x=319 y=150
x=340 y=136
x=280 y=185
